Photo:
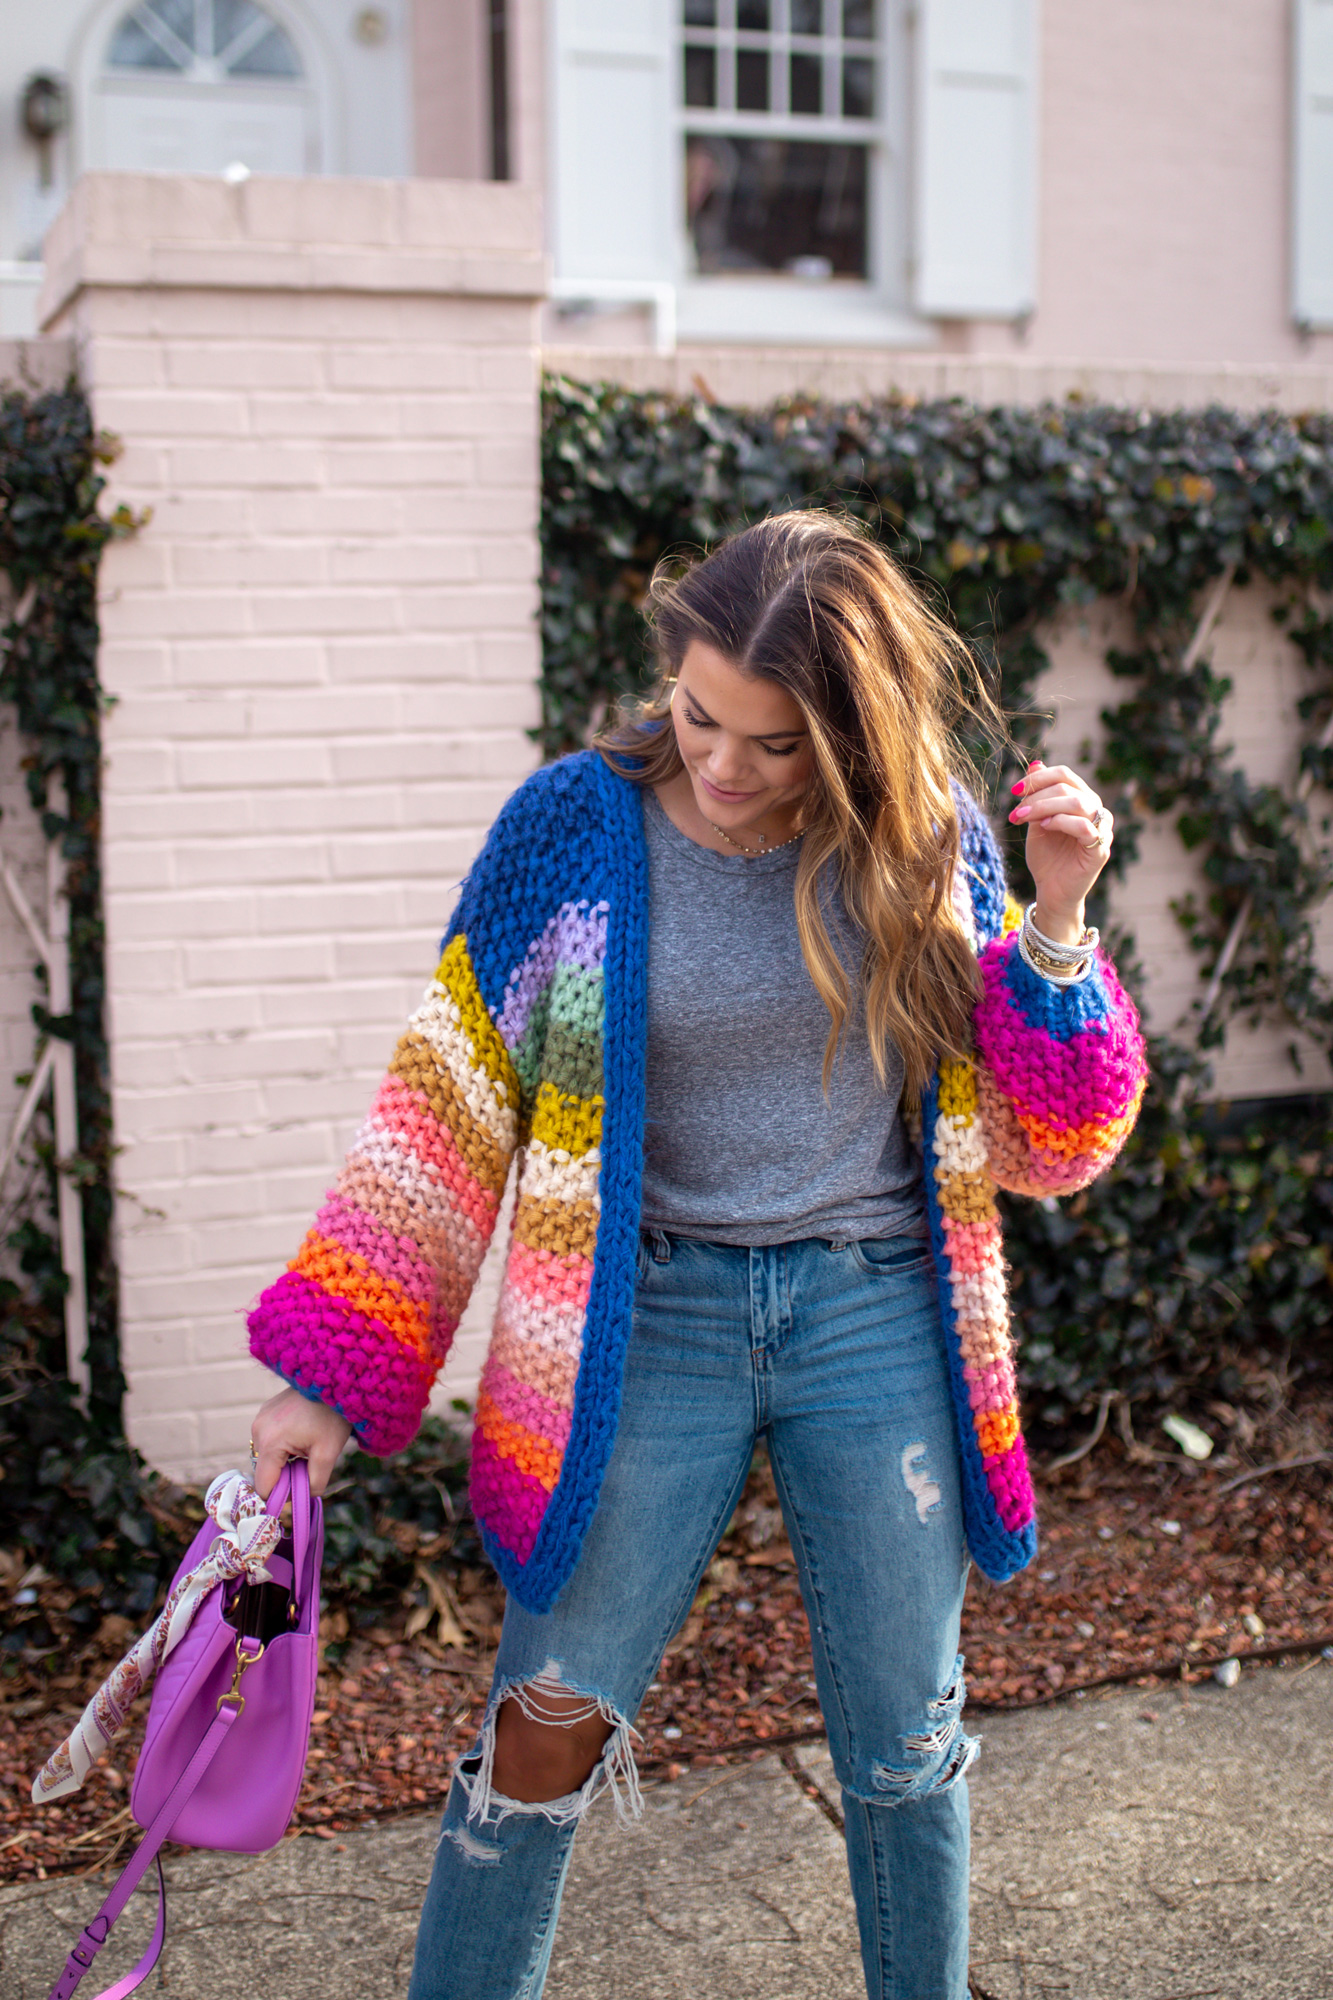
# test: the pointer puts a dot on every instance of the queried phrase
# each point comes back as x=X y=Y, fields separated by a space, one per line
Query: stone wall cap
x=749 y=374
x=308 y=233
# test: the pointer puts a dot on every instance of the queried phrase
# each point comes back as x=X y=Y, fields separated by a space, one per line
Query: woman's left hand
x=1068 y=844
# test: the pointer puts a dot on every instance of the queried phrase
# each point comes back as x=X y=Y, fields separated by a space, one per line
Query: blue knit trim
x=546 y=837
x=999 y=1551
x=614 y=822
x=981 y=858
x=1060 y=1011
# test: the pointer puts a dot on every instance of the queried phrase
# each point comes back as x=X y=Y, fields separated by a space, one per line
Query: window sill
x=768 y=310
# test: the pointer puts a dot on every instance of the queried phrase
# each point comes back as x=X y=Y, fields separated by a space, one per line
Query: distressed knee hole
x=934 y=1758
x=548 y=1700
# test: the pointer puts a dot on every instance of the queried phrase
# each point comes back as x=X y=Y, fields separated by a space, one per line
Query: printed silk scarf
x=247 y=1535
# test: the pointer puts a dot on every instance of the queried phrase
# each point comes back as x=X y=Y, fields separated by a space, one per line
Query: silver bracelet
x=1074 y=975
x=1071 y=954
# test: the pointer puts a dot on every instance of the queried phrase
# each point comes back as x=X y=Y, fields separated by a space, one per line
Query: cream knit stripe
x=439 y=1022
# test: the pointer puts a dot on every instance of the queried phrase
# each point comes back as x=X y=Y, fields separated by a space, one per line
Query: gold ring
x=253 y=1453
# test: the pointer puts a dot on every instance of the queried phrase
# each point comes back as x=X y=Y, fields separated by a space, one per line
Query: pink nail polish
x=1020 y=787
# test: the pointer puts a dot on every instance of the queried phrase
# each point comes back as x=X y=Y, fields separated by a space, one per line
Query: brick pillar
x=323 y=654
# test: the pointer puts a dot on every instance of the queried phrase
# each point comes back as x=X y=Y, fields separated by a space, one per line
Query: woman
x=698 y=982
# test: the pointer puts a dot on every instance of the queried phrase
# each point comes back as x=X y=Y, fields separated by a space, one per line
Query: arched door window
x=196 y=86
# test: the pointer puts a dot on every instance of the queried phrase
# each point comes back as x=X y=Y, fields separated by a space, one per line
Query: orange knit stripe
x=997 y=1431
x=1093 y=1140
x=349 y=1278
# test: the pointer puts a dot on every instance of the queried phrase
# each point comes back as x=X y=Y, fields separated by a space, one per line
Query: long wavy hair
x=810 y=602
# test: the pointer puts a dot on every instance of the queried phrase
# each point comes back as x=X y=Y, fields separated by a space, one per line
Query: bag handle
x=98 y=1931
x=293 y=1483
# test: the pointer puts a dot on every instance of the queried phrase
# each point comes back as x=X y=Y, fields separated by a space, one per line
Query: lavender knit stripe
x=577 y=937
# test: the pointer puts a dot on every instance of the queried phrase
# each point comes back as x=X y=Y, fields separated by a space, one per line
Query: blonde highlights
x=808 y=601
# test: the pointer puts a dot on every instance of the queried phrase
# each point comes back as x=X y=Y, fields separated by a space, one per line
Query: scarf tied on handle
x=247 y=1535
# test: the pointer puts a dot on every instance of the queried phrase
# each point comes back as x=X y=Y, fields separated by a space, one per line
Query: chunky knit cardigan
x=530 y=1043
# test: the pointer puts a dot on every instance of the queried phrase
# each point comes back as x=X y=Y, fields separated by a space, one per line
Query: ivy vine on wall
x=70 y=1486
x=1209 y=1233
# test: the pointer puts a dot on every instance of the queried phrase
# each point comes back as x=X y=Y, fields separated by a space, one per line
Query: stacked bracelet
x=1063 y=964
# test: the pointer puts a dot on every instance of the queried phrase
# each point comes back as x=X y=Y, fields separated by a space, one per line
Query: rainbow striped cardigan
x=529 y=1045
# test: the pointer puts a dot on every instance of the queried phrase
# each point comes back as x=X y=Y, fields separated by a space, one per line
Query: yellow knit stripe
x=455 y=974
x=566 y=1123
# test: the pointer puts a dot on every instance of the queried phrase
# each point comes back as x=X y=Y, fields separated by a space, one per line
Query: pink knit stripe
x=354 y=1363
x=1010 y=1483
x=522 y=1404
x=992 y=1388
x=548 y=1370
x=395 y=1257
x=544 y=1278
x=973 y=1246
x=505 y=1500
x=557 y=1327
x=1094 y=1076
x=409 y=1203
x=405 y=1116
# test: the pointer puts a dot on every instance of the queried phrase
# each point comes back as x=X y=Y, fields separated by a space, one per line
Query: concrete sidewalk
x=1134 y=1847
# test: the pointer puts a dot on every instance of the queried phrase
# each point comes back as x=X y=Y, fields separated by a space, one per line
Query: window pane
x=700 y=13
x=701 y=76
x=272 y=56
x=178 y=15
x=858 y=20
x=232 y=18
x=133 y=48
x=752 y=79
x=858 y=87
x=805 y=17
x=752 y=14
x=776 y=204
x=807 y=77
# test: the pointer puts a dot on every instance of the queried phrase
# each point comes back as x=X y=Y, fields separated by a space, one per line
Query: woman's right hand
x=289 y=1425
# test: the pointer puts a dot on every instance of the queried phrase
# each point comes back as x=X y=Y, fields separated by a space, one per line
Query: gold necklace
x=755 y=852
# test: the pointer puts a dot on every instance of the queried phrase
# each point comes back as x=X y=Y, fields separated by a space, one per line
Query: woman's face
x=743 y=741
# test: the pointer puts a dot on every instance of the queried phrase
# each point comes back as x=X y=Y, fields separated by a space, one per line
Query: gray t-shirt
x=741 y=1145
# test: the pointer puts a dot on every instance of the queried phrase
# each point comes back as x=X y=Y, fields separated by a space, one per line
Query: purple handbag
x=228 y=1725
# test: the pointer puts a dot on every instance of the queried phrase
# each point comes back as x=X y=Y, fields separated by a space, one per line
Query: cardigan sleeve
x=1060 y=1070
x=363 y=1317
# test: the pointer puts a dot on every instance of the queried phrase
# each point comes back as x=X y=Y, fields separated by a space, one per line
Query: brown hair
x=808 y=601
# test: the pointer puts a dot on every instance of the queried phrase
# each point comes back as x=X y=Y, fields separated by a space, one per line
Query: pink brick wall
x=323 y=653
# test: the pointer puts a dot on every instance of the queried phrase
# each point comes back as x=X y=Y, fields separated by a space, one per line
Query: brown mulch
x=1149 y=1566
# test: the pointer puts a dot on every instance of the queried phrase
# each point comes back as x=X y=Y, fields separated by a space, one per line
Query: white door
x=195 y=86
x=187 y=133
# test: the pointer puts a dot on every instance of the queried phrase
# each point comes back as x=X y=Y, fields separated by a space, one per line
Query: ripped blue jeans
x=834 y=1355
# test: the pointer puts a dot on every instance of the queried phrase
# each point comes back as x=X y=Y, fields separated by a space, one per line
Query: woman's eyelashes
x=702 y=722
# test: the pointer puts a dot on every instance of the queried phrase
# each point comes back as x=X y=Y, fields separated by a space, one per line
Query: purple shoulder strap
x=98 y=1931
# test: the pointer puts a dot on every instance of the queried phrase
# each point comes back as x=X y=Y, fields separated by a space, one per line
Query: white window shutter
x=976 y=79
x=1312 y=247
x=612 y=152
